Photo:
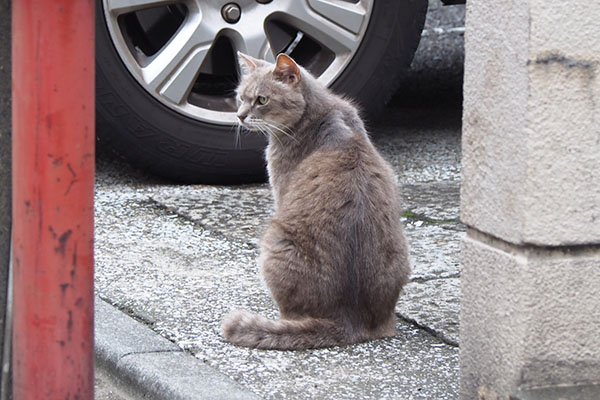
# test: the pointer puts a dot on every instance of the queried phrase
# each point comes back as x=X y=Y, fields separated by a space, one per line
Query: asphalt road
x=178 y=257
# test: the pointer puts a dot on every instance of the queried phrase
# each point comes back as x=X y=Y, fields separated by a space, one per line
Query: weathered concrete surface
x=578 y=392
x=433 y=305
x=179 y=258
x=432 y=227
x=530 y=319
x=531 y=131
x=105 y=387
x=136 y=362
x=530 y=198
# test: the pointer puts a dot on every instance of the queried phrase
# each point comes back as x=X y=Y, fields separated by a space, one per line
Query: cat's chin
x=250 y=128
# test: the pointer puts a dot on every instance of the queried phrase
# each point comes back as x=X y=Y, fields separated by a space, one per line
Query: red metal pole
x=53 y=192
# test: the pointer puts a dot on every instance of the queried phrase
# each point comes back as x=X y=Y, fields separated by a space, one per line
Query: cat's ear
x=286 y=70
x=247 y=63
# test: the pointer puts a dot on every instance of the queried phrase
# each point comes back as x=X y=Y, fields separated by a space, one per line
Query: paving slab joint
x=432 y=332
x=419 y=279
x=411 y=215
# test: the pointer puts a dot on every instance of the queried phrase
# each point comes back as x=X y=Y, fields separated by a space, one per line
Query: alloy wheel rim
x=183 y=52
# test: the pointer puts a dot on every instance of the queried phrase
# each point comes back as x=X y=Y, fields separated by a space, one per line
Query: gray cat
x=334 y=255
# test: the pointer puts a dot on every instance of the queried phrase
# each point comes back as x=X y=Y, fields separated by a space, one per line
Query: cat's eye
x=262 y=100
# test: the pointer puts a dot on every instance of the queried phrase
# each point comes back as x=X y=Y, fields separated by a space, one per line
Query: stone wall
x=530 y=196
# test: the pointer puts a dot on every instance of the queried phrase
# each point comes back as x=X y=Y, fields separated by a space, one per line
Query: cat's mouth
x=267 y=128
x=258 y=125
x=251 y=125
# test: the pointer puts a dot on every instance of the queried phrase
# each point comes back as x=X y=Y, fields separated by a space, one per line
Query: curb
x=149 y=366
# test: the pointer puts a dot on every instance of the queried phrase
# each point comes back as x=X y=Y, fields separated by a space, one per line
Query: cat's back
x=346 y=173
x=343 y=198
x=339 y=221
x=342 y=191
x=342 y=212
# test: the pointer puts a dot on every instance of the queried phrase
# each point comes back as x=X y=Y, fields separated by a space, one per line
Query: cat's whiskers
x=280 y=125
x=238 y=137
x=272 y=128
x=268 y=129
x=256 y=124
x=270 y=132
x=281 y=128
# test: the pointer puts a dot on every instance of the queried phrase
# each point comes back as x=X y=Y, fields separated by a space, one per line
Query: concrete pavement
x=178 y=258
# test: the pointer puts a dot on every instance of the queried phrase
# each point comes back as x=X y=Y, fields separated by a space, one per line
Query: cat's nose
x=242 y=117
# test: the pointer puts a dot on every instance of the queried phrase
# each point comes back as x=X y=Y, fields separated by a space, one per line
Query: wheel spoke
x=118 y=7
x=172 y=72
x=349 y=16
x=333 y=23
x=254 y=44
x=177 y=87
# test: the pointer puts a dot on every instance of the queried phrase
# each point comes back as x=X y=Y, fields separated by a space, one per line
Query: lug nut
x=231 y=13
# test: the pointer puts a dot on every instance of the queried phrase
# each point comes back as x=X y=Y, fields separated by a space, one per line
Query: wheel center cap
x=231 y=13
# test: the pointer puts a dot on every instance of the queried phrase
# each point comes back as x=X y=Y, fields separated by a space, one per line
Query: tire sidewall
x=386 y=51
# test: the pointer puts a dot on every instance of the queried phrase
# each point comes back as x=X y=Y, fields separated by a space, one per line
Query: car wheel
x=166 y=72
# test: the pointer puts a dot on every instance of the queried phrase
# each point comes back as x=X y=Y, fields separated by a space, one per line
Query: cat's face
x=269 y=95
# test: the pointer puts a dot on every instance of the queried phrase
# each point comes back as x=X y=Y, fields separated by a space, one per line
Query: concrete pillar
x=531 y=198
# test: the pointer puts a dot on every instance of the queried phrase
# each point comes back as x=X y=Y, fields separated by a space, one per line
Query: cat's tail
x=247 y=329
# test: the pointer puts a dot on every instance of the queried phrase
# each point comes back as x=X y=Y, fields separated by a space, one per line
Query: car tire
x=162 y=141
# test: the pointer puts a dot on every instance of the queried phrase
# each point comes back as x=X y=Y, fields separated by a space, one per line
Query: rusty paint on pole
x=53 y=191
